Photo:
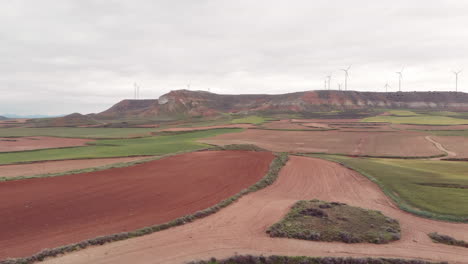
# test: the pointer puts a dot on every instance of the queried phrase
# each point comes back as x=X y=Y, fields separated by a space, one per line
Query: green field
x=417 y=120
x=157 y=145
x=437 y=189
x=77 y=132
x=256 y=120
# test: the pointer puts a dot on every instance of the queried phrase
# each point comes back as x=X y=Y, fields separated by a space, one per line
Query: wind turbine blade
x=349 y=67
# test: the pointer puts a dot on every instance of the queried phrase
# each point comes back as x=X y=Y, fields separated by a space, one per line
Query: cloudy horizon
x=64 y=56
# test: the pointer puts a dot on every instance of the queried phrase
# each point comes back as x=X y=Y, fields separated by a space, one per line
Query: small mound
x=321 y=221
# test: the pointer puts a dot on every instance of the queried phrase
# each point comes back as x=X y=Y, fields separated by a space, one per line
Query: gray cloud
x=65 y=56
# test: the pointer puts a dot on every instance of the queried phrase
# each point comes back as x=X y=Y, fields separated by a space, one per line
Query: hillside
x=185 y=103
x=75 y=119
x=3 y=118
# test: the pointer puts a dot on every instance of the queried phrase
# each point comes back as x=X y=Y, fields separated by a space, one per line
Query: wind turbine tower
x=329 y=79
x=386 y=87
x=400 y=77
x=136 y=90
x=346 y=77
x=456 y=79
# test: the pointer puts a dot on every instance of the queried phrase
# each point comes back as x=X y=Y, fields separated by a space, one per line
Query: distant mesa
x=3 y=118
x=186 y=103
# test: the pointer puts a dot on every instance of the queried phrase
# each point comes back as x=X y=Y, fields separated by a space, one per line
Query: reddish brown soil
x=177 y=129
x=49 y=212
x=240 y=228
x=398 y=143
x=30 y=143
x=10 y=171
x=420 y=127
x=455 y=144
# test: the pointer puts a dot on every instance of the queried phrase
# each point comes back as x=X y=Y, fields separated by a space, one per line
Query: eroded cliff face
x=182 y=103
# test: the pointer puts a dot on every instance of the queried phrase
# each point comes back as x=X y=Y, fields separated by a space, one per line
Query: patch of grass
x=256 y=120
x=248 y=259
x=148 y=146
x=76 y=132
x=401 y=180
x=268 y=179
x=322 y=221
x=448 y=240
x=417 y=120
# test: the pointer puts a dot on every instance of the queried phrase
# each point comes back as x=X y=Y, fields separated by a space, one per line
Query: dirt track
x=240 y=228
x=15 y=170
x=456 y=144
x=398 y=143
x=49 y=212
x=30 y=143
x=450 y=154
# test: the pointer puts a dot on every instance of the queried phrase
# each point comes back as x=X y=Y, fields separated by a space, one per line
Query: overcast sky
x=63 y=56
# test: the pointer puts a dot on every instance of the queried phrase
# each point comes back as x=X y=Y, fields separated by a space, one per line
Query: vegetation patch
x=401 y=180
x=322 y=221
x=418 y=120
x=444 y=239
x=248 y=259
x=76 y=132
x=147 y=146
x=268 y=179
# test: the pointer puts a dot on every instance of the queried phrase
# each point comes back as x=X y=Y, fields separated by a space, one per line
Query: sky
x=64 y=56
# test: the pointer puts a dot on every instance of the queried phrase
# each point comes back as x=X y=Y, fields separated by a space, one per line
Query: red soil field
x=458 y=145
x=421 y=127
x=398 y=143
x=15 y=170
x=30 y=143
x=240 y=228
x=49 y=212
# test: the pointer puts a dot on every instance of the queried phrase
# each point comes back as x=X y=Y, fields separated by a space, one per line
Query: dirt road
x=450 y=154
x=240 y=228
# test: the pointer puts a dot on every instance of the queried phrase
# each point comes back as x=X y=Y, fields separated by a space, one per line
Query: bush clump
x=444 y=239
x=248 y=259
x=322 y=221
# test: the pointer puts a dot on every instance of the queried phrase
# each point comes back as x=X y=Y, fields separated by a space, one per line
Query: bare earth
x=30 y=143
x=16 y=170
x=49 y=212
x=398 y=143
x=240 y=228
x=458 y=145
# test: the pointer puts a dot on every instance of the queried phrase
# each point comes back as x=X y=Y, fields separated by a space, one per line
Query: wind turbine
x=386 y=87
x=329 y=79
x=400 y=77
x=339 y=86
x=456 y=79
x=137 y=90
x=325 y=83
x=346 y=77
